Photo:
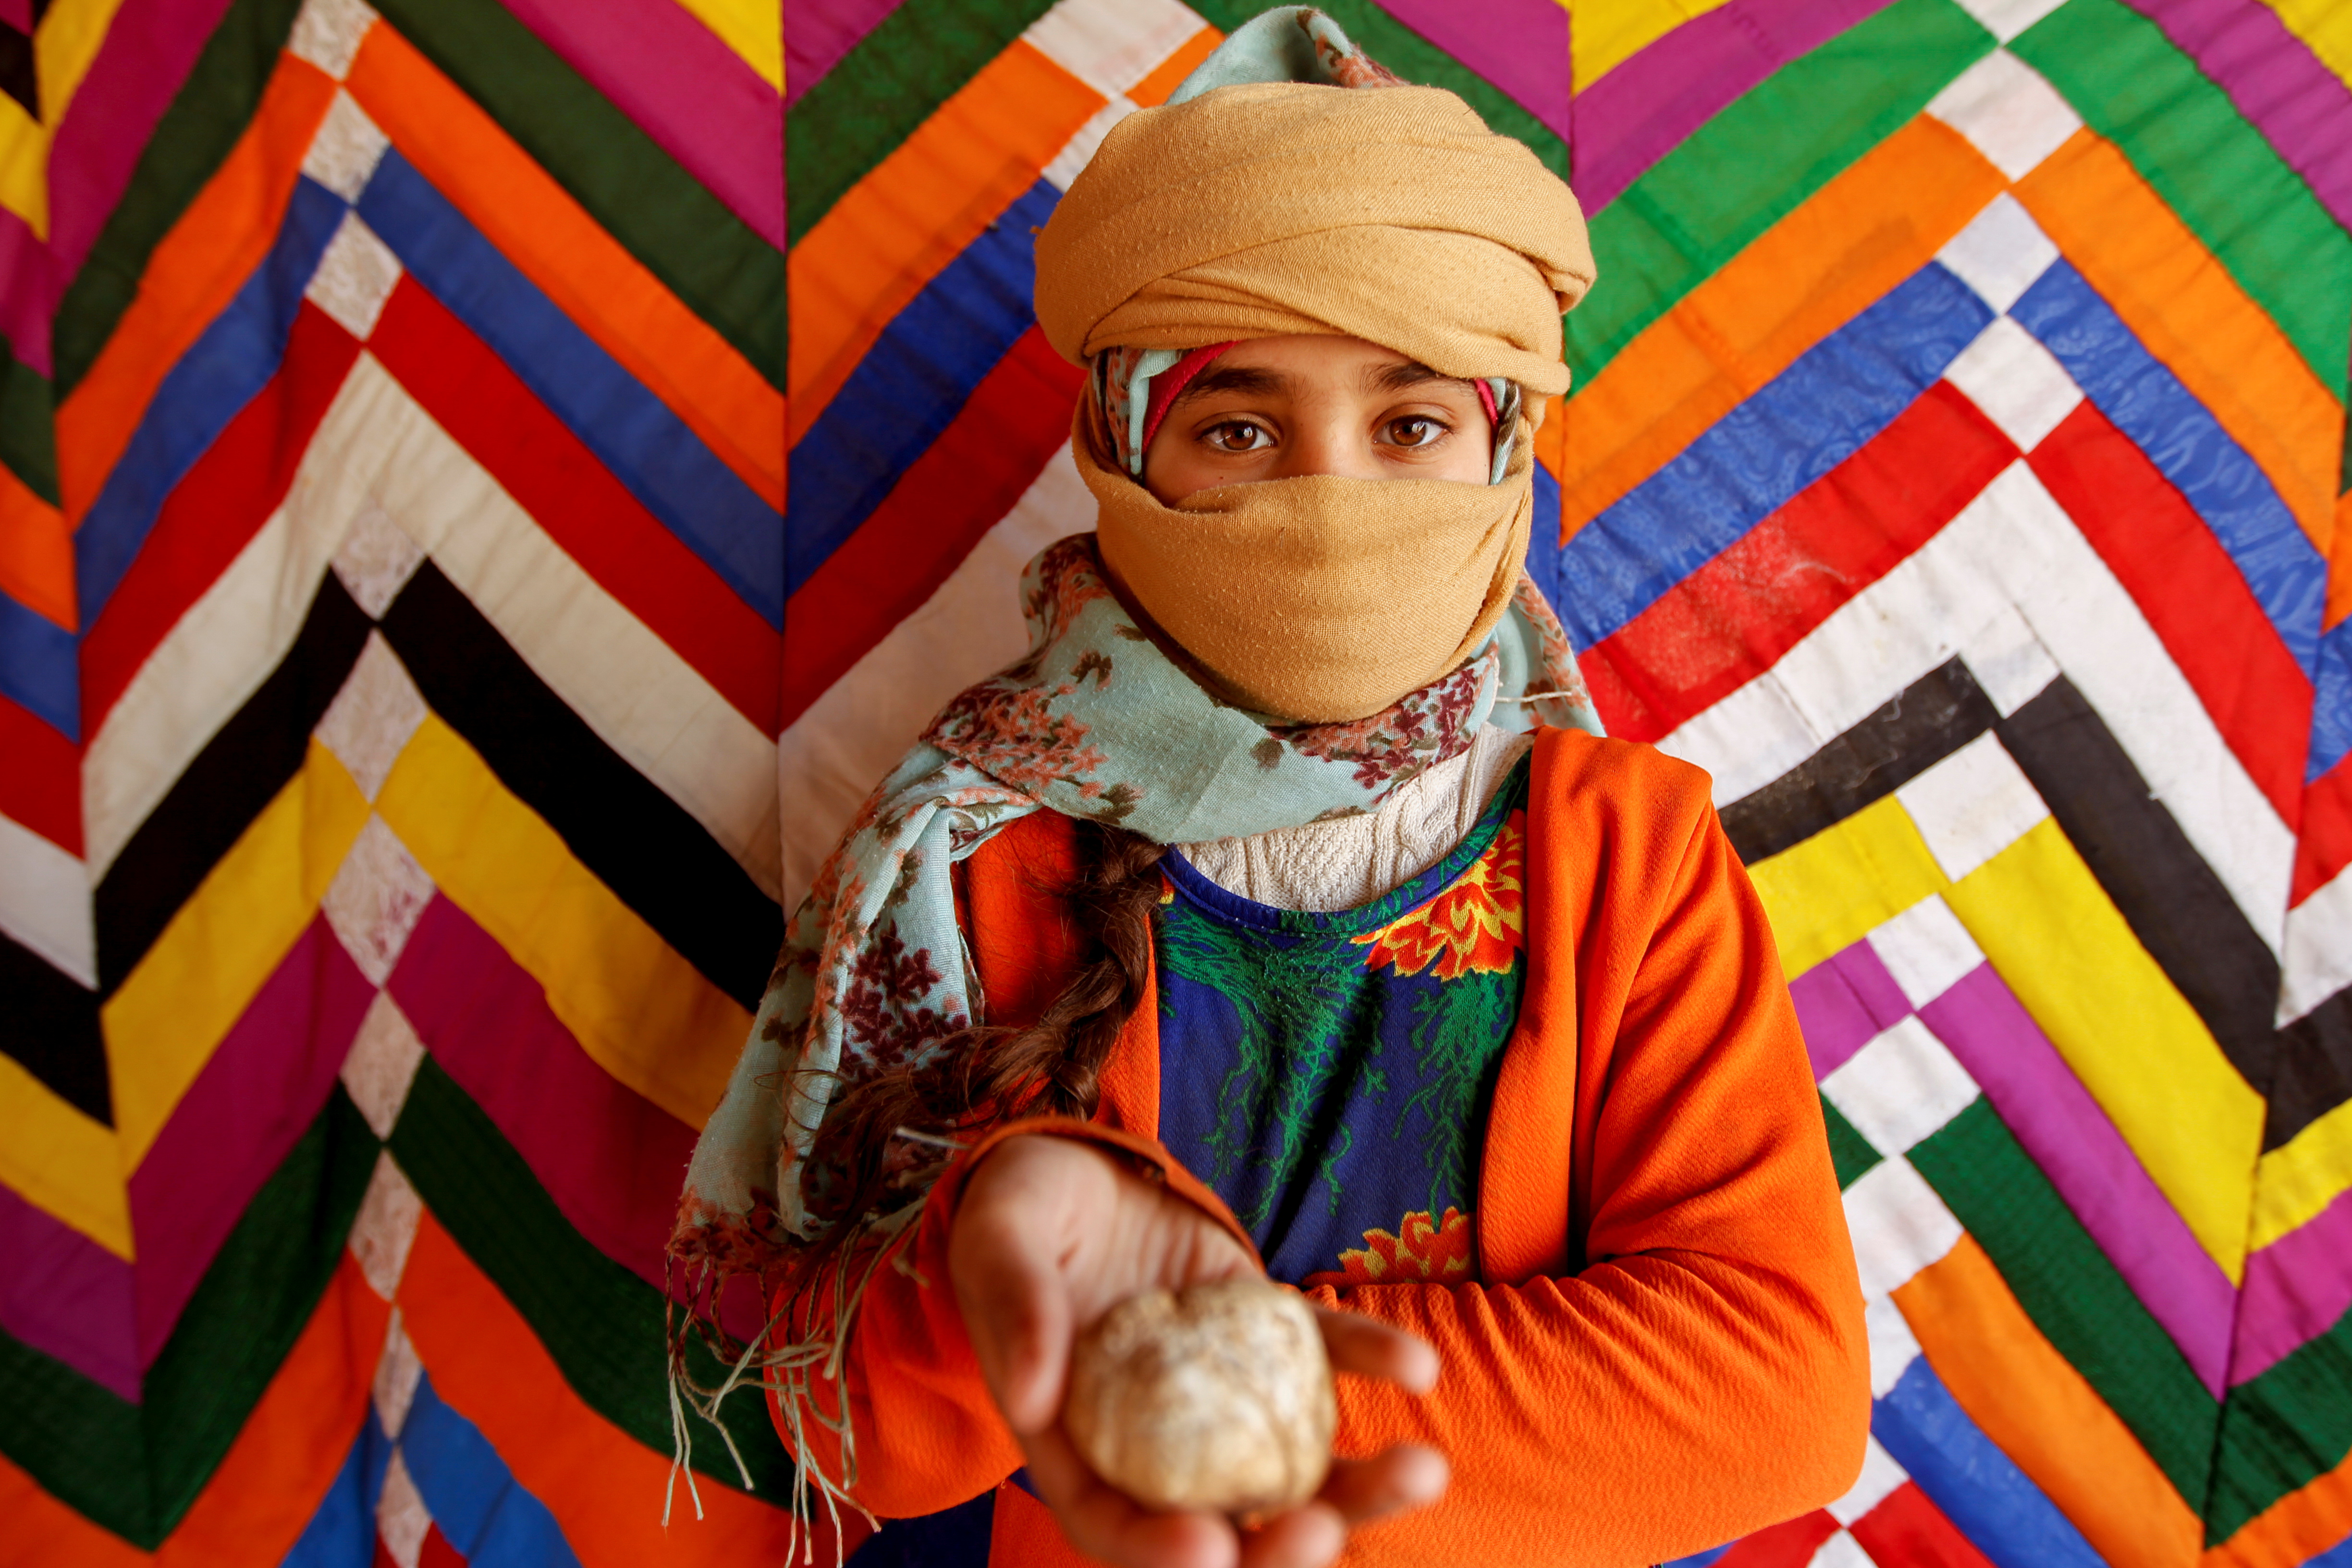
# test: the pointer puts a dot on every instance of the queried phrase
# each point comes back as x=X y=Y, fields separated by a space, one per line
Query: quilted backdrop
x=419 y=693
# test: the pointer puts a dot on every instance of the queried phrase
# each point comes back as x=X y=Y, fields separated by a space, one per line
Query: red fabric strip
x=1732 y=619
x=41 y=786
x=1789 y=1545
x=2192 y=594
x=2321 y=850
x=1174 y=380
x=464 y=385
x=950 y=497
x=1906 y=1531
x=215 y=509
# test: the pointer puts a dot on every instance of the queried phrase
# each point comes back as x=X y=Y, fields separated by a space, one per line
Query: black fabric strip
x=640 y=843
x=50 y=1026
x=1927 y=720
x=16 y=77
x=248 y=760
x=2170 y=898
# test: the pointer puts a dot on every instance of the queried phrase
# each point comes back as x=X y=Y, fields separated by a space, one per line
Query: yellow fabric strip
x=2187 y=311
x=170 y=1014
x=2326 y=27
x=2061 y=946
x=62 y=1161
x=752 y=28
x=1607 y=33
x=2303 y=1176
x=1829 y=892
x=24 y=167
x=644 y=1015
x=64 y=45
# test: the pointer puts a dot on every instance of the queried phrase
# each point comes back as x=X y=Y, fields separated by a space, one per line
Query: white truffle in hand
x=1217 y=1398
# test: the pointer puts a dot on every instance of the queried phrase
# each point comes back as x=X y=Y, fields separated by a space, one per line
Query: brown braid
x=973 y=1080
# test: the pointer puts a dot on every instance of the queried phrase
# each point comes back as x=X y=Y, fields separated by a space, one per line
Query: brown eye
x=1414 y=431
x=1239 y=436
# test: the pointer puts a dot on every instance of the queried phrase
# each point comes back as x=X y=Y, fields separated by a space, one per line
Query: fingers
x=1407 y=1476
x=1108 y=1526
x=1368 y=1349
x=1016 y=1308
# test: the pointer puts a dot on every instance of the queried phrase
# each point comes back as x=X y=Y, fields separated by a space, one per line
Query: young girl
x=1284 y=909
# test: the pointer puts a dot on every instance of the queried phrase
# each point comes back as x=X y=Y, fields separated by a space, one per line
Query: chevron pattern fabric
x=421 y=692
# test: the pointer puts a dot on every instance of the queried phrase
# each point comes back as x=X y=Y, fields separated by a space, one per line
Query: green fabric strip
x=2283 y=1430
x=29 y=427
x=602 y=1323
x=136 y=1468
x=209 y=113
x=2072 y=1292
x=1753 y=164
x=692 y=241
x=1850 y=1151
x=2181 y=132
x=1417 y=60
x=920 y=56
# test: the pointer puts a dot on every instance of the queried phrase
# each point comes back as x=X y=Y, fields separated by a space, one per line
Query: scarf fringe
x=789 y=1370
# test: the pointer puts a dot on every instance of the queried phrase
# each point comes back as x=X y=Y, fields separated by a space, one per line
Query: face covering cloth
x=1245 y=210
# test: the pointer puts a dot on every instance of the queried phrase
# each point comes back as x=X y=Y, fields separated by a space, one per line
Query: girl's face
x=1278 y=408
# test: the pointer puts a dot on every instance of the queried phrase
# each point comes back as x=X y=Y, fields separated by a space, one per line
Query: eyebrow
x=1234 y=378
x=1411 y=373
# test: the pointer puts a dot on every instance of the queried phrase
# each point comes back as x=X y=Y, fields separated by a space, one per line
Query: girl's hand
x=1050 y=1234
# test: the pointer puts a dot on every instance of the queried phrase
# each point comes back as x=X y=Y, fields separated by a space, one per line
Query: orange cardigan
x=1665 y=1349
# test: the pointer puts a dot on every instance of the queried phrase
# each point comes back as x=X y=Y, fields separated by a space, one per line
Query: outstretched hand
x=1050 y=1234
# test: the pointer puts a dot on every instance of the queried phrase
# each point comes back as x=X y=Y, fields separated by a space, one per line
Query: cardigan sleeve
x=1686 y=1361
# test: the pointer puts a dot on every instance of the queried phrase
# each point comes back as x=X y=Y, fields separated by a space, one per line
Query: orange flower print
x=1421 y=1252
x=1474 y=927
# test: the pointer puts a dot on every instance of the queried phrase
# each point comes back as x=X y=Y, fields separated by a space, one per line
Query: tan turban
x=1387 y=213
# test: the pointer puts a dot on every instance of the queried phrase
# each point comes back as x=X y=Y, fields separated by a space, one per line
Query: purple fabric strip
x=17 y=13
x=1842 y=1002
x=612 y=1160
x=1638 y=112
x=67 y=1297
x=819 y=33
x=139 y=69
x=2094 y=1171
x=2297 y=1289
x=1520 y=45
x=685 y=89
x=2303 y=109
x=256 y=1096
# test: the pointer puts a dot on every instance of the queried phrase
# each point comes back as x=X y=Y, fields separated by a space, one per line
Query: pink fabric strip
x=685 y=89
x=1518 y=45
x=1173 y=380
x=819 y=34
x=1486 y=402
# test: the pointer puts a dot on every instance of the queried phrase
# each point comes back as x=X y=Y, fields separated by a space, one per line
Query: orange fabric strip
x=1805 y=277
x=44 y=1533
x=191 y=279
x=2188 y=311
x=537 y=224
x=1170 y=74
x=603 y=1485
x=37 y=559
x=258 y=1502
x=906 y=221
x=2040 y=1412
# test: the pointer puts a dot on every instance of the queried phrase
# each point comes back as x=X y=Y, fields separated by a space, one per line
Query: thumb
x=1016 y=1308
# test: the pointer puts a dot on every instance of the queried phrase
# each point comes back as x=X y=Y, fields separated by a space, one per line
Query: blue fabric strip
x=634 y=432
x=1841 y=393
x=39 y=667
x=2331 y=710
x=2189 y=446
x=232 y=361
x=482 y=1509
x=912 y=384
x=1985 y=1497
x=341 y=1533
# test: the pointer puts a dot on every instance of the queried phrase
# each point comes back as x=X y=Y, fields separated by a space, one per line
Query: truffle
x=1216 y=1398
